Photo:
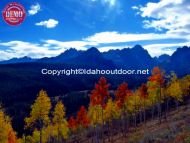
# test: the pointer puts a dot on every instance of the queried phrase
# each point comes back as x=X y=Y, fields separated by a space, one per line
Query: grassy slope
x=172 y=130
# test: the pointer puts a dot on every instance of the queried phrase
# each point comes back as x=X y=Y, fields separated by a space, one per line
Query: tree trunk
x=167 y=108
x=153 y=112
x=24 y=138
x=144 y=116
x=144 y=113
x=160 y=106
x=102 y=132
x=109 y=131
x=125 y=121
x=168 y=102
x=140 y=117
x=40 y=135
x=41 y=127
x=159 y=113
x=96 y=136
x=122 y=124
x=135 y=121
x=177 y=105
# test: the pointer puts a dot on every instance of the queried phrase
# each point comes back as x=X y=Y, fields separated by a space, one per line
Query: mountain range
x=131 y=58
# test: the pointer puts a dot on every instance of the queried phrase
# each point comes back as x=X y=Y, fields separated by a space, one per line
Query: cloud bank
x=104 y=41
x=170 y=15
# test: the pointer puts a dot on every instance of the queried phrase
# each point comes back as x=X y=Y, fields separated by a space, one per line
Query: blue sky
x=53 y=26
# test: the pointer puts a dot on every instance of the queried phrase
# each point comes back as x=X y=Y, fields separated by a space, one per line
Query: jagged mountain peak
x=93 y=50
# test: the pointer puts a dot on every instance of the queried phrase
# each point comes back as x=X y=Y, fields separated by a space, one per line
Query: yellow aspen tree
x=134 y=104
x=155 y=84
x=39 y=115
x=174 y=89
x=111 y=111
x=143 y=90
x=7 y=134
x=185 y=85
x=60 y=122
x=95 y=113
x=152 y=94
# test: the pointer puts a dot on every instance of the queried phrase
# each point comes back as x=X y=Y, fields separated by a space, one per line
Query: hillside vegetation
x=156 y=112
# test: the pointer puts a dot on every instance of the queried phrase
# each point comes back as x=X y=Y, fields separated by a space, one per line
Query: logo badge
x=14 y=13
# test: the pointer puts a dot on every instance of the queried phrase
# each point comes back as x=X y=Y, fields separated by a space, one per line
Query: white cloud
x=79 y=45
x=107 y=48
x=21 y=48
x=115 y=37
x=135 y=7
x=153 y=49
x=51 y=23
x=47 y=48
x=170 y=15
x=168 y=48
x=110 y=3
x=34 y=9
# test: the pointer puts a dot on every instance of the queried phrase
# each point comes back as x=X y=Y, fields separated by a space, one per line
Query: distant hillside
x=18 y=60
